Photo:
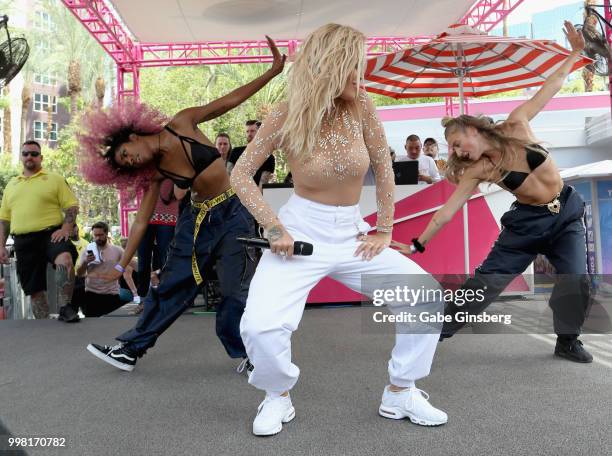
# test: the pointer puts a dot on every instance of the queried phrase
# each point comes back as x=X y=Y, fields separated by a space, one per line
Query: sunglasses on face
x=31 y=153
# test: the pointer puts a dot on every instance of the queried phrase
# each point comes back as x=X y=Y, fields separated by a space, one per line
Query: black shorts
x=33 y=251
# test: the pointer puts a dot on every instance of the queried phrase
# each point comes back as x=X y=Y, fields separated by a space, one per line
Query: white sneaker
x=271 y=414
x=412 y=403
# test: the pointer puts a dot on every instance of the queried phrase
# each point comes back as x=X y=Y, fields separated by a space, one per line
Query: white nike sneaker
x=412 y=403
x=271 y=414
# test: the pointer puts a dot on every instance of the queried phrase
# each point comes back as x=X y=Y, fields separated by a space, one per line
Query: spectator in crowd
x=265 y=171
x=223 y=145
x=431 y=149
x=154 y=245
x=392 y=152
x=39 y=210
x=101 y=295
x=428 y=171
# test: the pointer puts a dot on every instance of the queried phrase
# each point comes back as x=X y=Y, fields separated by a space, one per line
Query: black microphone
x=299 y=247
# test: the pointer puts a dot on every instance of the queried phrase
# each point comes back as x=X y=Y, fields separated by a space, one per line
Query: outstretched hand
x=401 y=247
x=574 y=38
x=372 y=245
x=279 y=59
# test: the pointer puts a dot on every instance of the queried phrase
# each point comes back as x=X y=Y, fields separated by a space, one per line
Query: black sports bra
x=201 y=157
x=536 y=155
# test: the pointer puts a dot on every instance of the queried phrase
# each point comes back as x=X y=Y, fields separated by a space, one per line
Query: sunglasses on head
x=31 y=153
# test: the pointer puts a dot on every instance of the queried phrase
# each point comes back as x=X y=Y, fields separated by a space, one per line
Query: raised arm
x=228 y=102
x=553 y=84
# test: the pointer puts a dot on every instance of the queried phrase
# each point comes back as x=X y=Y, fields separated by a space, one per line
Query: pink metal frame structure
x=608 y=16
x=485 y=15
x=102 y=21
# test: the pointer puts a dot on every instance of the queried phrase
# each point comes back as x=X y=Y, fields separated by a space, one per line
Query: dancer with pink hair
x=136 y=146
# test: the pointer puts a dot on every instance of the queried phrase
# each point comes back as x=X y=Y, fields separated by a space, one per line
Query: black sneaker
x=573 y=350
x=119 y=355
x=246 y=367
x=68 y=314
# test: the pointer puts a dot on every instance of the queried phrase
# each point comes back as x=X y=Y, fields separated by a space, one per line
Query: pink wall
x=494 y=107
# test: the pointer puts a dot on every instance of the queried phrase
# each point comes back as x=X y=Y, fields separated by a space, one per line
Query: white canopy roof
x=180 y=21
x=598 y=169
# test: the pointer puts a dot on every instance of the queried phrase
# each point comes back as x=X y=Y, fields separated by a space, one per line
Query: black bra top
x=536 y=155
x=201 y=157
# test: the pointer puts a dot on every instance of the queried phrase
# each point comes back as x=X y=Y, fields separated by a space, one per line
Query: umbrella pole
x=461 y=107
x=460 y=74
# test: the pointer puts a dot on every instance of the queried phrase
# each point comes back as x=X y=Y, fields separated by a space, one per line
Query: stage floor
x=504 y=394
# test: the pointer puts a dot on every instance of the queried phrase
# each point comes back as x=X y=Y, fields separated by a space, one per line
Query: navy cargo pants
x=527 y=231
x=177 y=288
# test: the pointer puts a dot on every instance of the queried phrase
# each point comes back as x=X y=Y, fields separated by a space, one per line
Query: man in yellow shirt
x=39 y=210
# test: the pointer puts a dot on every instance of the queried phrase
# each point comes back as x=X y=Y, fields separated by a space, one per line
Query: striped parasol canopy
x=463 y=62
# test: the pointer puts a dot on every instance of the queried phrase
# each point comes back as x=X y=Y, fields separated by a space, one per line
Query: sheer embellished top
x=536 y=155
x=350 y=140
x=202 y=155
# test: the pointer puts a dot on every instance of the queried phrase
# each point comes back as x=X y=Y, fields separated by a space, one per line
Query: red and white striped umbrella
x=463 y=62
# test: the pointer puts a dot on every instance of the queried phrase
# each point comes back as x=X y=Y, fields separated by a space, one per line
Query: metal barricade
x=17 y=306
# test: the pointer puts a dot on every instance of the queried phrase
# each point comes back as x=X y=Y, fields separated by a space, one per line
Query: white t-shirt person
x=428 y=171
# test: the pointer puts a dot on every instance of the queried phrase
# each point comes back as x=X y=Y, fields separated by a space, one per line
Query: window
x=42 y=102
x=40 y=130
x=49 y=79
x=43 y=46
x=43 y=21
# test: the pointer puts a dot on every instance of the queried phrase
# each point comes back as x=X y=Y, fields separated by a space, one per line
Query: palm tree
x=7 y=131
x=6 y=120
x=74 y=46
x=74 y=84
x=26 y=98
x=100 y=89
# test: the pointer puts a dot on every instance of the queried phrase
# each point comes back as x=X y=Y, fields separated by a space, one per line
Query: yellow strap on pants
x=204 y=207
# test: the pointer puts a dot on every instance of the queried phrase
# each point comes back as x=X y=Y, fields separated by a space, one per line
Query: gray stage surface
x=504 y=394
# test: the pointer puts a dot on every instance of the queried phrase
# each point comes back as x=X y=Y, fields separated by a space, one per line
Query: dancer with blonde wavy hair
x=134 y=145
x=331 y=134
x=546 y=218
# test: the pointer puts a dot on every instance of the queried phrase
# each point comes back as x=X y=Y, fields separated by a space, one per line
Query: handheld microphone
x=299 y=247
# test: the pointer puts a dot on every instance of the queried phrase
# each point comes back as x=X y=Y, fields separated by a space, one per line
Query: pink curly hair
x=106 y=129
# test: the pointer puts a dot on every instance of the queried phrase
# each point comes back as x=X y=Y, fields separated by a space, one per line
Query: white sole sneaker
x=287 y=418
x=397 y=414
x=107 y=359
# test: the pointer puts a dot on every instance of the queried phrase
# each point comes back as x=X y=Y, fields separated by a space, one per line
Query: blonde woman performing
x=546 y=218
x=331 y=134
